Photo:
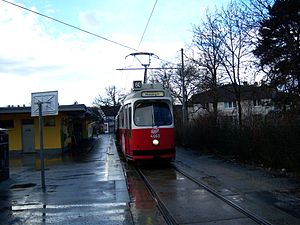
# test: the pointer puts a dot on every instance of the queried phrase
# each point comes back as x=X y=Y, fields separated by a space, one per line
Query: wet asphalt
x=271 y=195
x=86 y=186
x=89 y=186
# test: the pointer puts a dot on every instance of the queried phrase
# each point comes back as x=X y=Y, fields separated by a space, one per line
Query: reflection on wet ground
x=89 y=187
x=81 y=188
x=32 y=160
x=143 y=207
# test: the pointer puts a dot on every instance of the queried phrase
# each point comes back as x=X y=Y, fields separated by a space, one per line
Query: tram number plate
x=155 y=136
x=155 y=133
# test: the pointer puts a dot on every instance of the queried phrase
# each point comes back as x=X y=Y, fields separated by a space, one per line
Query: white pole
x=41 y=145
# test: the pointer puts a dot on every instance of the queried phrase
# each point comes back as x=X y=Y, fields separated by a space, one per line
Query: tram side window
x=129 y=117
x=121 y=118
x=126 y=117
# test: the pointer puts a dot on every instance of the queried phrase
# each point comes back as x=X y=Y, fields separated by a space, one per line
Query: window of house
x=229 y=105
x=27 y=121
x=6 y=124
x=49 y=121
x=257 y=102
x=205 y=106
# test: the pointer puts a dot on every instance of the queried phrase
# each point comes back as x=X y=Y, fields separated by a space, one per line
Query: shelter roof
x=27 y=109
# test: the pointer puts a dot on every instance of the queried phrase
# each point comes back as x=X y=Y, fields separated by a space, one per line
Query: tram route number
x=137 y=84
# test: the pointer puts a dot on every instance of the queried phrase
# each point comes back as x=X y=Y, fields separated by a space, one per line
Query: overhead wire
x=147 y=24
x=91 y=33
x=70 y=25
x=144 y=32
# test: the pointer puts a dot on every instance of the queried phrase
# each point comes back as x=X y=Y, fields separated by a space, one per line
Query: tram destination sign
x=48 y=101
x=153 y=94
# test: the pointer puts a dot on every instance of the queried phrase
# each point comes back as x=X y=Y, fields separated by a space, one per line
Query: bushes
x=278 y=143
x=273 y=141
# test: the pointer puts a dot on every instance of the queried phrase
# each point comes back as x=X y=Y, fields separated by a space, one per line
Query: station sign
x=49 y=103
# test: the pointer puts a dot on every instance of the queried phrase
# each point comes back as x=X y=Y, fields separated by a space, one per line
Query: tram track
x=169 y=215
x=247 y=213
x=170 y=220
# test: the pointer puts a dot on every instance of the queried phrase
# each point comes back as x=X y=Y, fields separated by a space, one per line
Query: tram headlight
x=155 y=142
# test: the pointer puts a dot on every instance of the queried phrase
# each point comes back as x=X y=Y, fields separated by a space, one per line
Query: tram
x=145 y=124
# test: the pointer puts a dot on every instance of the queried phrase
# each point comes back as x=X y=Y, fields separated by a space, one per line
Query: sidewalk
x=81 y=188
x=273 y=197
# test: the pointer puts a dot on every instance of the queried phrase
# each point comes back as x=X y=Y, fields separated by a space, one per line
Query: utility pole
x=184 y=113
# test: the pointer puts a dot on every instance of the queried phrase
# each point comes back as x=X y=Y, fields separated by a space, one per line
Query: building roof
x=27 y=109
x=225 y=93
x=110 y=110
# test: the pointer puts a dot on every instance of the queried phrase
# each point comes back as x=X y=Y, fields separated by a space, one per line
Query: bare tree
x=256 y=10
x=237 y=48
x=170 y=77
x=209 y=42
x=113 y=97
x=225 y=40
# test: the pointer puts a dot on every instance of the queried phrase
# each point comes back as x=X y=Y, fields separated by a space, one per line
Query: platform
x=83 y=187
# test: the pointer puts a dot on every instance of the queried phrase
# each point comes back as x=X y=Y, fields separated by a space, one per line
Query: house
x=108 y=114
x=67 y=129
x=255 y=100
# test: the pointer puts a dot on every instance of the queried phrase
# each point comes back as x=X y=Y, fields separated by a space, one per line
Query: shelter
x=72 y=125
x=109 y=113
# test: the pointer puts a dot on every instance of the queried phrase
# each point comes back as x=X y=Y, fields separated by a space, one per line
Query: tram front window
x=152 y=114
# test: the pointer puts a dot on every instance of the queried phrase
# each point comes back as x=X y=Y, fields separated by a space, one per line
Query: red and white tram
x=145 y=124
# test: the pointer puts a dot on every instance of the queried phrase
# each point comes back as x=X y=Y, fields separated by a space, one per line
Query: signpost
x=43 y=104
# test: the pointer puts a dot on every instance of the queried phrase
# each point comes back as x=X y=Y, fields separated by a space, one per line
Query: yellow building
x=65 y=130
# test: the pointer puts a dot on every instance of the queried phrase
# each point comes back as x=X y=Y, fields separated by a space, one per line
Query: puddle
x=28 y=185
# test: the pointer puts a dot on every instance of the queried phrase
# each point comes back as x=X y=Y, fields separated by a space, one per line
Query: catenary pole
x=184 y=113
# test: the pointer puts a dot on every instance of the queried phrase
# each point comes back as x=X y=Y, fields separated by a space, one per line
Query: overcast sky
x=38 y=54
